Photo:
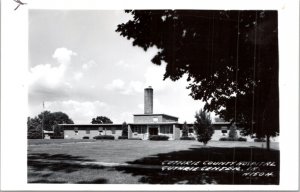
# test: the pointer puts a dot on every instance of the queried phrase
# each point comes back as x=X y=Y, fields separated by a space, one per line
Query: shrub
x=232 y=132
x=232 y=139
x=104 y=137
x=226 y=139
x=202 y=127
x=187 y=138
x=185 y=130
x=242 y=139
x=124 y=130
x=57 y=137
x=86 y=137
x=259 y=140
x=159 y=138
x=223 y=139
x=123 y=137
x=137 y=138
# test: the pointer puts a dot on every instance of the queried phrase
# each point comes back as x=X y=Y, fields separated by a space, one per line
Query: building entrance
x=153 y=130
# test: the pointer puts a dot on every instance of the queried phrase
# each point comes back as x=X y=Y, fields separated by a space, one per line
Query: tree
x=203 y=127
x=230 y=59
x=48 y=121
x=232 y=132
x=101 y=120
x=185 y=130
x=34 y=128
x=124 y=130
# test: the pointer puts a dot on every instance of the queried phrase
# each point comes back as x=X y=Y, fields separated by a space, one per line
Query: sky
x=79 y=65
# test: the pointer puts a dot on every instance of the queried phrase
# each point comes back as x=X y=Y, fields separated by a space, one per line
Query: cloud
x=116 y=84
x=78 y=75
x=154 y=77
x=45 y=75
x=88 y=65
x=133 y=87
x=125 y=88
x=80 y=112
x=49 y=76
x=124 y=64
x=63 y=55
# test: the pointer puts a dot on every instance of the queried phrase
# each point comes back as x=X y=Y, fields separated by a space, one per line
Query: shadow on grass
x=39 y=163
x=96 y=181
x=215 y=154
x=58 y=162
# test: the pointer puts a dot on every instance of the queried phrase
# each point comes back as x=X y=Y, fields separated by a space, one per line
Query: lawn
x=135 y=161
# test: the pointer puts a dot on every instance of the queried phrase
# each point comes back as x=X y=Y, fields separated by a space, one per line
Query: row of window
x=166 y=129
x=88 y=131
x=140 y=129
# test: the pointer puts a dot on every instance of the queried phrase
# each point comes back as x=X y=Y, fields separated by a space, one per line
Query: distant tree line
x=49 y=121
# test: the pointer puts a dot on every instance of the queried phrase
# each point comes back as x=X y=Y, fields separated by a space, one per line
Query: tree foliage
x=124 y=130
x=34 y=128
x=233 y=132
x=230 y=59
x=47 y=121
x=185 y=130
x=101 y=120
x=203 y=127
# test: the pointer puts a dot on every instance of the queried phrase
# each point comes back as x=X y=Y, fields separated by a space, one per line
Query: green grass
x=60 y=161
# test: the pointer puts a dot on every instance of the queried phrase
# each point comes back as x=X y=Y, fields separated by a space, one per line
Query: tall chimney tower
x=148 y=100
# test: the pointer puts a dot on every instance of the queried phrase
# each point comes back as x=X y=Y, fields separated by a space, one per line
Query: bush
x=104 y=137
x=57 y=137
x=232 y=139
x=137 y=138
x=159 y=138
x=202 y=127
x=86 y=137
x=187 y=138
x=232 y=132
x=123 y=137
x=185 y=130
x=242 y=139
x=259 y=140
x=226 y=139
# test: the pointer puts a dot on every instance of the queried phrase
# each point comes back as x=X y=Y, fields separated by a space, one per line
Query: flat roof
x=160 y=114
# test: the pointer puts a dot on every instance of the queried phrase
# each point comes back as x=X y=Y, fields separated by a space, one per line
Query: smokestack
x=148 y=100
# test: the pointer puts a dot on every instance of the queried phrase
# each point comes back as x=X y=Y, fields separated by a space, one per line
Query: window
x=138 y=129
x=87 y=131
x=100 y=129
x=224 y=130
x=76 y=130
x=166 y=129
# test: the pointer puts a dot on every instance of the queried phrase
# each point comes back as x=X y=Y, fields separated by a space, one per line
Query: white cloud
x=133 y=87
x=123 y=64
x=116 y=84
x=63 y=55
x=48 y=76
x=79 y=112
x=154 y=77
x=89 y=65
x=78 y=75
